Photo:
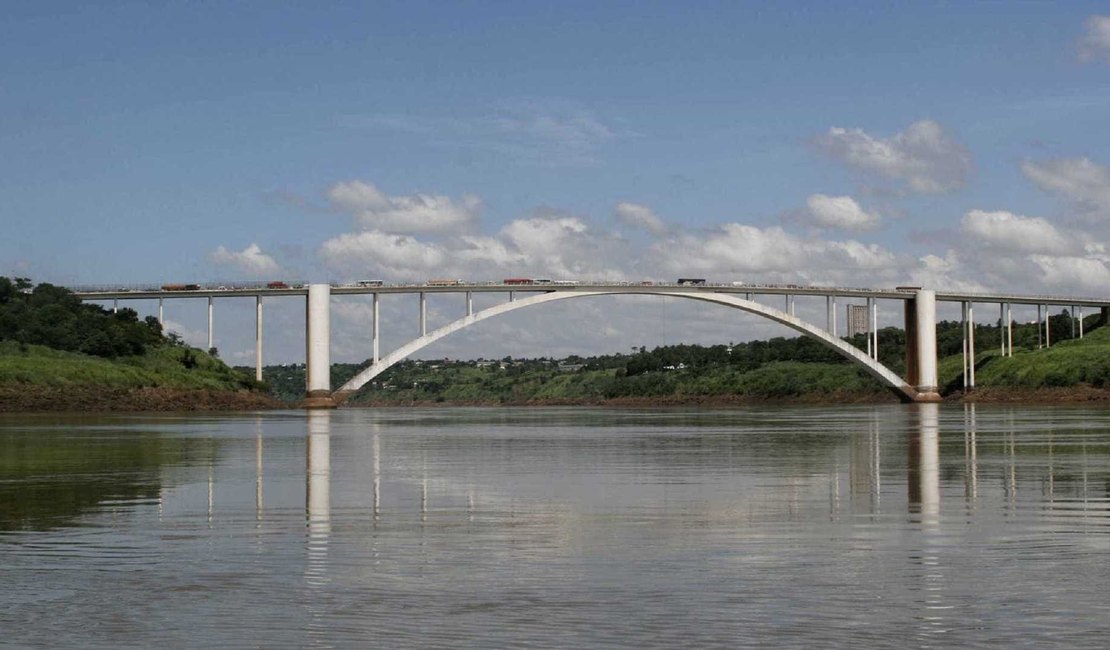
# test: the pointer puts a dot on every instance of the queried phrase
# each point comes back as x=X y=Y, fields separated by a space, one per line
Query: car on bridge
x=691 y=282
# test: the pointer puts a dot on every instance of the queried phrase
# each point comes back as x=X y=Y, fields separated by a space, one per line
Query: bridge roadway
x=919 y=311
x=127 y=293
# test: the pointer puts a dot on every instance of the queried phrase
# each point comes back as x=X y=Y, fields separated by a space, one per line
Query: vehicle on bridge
x=277 y=284
x=566 y=283
x=517 y=281
x=180 y=287
x=691 y=282
x=369 y=283
x=443 y=282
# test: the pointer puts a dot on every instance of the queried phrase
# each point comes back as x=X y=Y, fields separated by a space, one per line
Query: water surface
x=889 y=525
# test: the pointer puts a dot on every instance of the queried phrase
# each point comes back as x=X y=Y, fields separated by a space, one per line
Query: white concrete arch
x=873 y=367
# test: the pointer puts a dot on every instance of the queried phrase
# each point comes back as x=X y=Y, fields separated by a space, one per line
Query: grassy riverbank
x=59 y=354
x=1078 y=363
x=168 y=377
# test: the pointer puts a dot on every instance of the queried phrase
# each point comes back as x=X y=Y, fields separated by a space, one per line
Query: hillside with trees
x=58 y=353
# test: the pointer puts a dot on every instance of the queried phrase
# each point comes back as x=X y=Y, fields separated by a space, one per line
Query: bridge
x=918 y=310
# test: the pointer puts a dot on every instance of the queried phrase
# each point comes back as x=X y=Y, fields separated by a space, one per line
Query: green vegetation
x=52 y=316
x=50 y=338
x=1068 y=363
x=165 y=366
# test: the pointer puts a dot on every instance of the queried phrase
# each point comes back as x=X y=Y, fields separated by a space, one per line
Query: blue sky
x=952 y=144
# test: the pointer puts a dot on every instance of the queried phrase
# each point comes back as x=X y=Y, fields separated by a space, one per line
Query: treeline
x=52 y=316
x=778 y=367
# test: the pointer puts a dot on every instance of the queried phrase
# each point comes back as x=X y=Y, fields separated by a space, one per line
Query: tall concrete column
x=469 y=304
x=318 y=347
x=963 y=328
x=875 y=328
x=1040 y=330
x=1080 y=322
x=971 y=344
x=924 y=344
x=211 y=338
x=258 y=338
x=423 y=313
x=161 y=320
x=1001 y=337
x=1047 y=327
x=1009 y=330
x=833 y=316
x=376 y=332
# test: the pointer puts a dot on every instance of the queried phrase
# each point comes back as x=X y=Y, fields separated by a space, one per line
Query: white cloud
x=1014 y=232
x=1073 y=272
x=923 y=156
x=772 y=254
x=383 y=255
x=250 y=261
x=1080 y=181
x=841 y=212
x=947 y=273
x=554 y=246
x=639 y=216
x=373 y=210
x=1095 y=42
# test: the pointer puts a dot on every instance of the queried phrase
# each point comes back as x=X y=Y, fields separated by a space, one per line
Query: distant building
x=858 y=321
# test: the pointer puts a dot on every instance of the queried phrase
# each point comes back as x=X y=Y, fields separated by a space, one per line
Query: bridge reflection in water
x=510 y=526
x=863 y=474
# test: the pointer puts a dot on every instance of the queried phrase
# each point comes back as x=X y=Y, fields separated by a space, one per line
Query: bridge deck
x=631 y=288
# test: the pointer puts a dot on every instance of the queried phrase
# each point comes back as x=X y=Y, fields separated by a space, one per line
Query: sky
x=949 y=145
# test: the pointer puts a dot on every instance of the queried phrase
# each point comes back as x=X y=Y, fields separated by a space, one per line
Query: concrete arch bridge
x=918 y=309
x=905 y=390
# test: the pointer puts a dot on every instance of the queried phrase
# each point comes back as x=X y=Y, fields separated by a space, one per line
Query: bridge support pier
x=258 y=338
x=921 y=345
x=423 y=313
x=318 y=347
x=376 y=326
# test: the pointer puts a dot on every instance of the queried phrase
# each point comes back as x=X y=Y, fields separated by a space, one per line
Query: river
x=882 y=525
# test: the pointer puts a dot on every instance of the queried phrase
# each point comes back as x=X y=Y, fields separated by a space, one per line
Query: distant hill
x=57 y=353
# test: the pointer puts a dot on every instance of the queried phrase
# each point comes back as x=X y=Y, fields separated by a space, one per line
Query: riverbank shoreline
x=33 y=398
x=19 y=398
x=993 y=395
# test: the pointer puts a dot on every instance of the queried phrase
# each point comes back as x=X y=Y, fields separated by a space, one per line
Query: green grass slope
x=1075 y=362
x=161 y=367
